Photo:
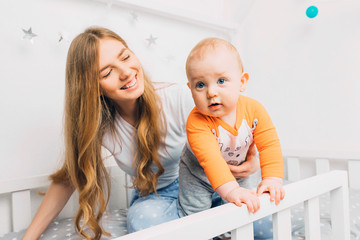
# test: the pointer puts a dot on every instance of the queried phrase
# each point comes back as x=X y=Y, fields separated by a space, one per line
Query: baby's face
x=216 y=81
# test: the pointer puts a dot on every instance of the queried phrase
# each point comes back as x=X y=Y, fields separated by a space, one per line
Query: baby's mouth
x=214 y=104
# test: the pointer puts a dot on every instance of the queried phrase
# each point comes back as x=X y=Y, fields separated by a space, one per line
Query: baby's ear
x=244 y=80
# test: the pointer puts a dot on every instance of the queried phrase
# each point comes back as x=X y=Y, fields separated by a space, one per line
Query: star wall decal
x=109 y=6
x=63 y=36
x=29 y=35
x=151 y=40
x=134 y=16
x=170 y=58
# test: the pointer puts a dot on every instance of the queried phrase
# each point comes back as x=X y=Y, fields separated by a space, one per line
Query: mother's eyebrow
x=119 y=55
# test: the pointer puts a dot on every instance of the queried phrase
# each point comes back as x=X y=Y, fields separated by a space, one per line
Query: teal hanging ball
x=312 y=11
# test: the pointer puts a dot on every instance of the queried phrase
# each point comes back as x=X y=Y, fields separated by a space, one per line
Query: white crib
x=22 y=201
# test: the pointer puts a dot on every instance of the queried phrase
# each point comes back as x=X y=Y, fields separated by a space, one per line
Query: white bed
x=315 y=207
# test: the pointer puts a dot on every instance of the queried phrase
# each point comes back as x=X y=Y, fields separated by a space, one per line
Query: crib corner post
x=340 y=209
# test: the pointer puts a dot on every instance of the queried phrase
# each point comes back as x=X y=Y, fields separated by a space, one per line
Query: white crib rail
x=15 y=193
x=22 y=208
x=323 y=165
x=20 y=198
x=239 y=221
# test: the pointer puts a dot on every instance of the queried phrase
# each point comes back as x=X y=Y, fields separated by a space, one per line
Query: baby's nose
x=212 y=92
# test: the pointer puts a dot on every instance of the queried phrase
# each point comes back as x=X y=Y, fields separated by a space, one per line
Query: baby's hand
x=242 y=195
x=274 y=186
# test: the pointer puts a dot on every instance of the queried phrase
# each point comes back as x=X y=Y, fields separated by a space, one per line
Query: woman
x=111 y=103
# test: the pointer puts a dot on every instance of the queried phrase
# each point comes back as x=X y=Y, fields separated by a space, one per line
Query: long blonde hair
x=88 y=114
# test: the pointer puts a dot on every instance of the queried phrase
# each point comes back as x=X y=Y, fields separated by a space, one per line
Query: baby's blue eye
x=200 y=85
x=221 y=81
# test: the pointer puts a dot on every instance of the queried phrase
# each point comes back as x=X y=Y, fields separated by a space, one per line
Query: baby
x=220 y=130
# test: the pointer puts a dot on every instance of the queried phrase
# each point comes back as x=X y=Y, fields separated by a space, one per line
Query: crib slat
x=129 y=191
x=293 y=169
x=354 y=170
x=282 y=225
x=322 y=166
x=245 y=232
x=340 y=219
x=21 y=210
x=312 y=219
x=5 y=217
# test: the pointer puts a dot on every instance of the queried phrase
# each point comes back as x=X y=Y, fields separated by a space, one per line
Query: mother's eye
x=126 y=57
x=107 y=74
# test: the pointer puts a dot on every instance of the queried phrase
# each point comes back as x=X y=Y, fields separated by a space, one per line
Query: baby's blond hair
x=202 y=48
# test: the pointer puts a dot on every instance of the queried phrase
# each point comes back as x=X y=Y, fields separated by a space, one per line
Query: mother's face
x=121 y=74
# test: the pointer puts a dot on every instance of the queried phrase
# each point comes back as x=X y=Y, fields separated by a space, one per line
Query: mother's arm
x=54 y=201
x=250 y=166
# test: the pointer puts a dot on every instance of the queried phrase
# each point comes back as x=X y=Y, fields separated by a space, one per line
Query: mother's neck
x=129 y=112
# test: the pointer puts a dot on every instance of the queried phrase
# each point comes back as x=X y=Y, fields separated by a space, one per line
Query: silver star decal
x=109 y=6
x=151 y=40
x=134 y=16
x=29 y=35
x=170 y=58
x=63 y=36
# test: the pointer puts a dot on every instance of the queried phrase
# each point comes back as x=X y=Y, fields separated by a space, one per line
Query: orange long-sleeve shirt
x=216 y=144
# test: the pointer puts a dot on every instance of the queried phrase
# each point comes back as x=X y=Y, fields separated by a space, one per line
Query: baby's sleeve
x=206 y=149
x=267 y=143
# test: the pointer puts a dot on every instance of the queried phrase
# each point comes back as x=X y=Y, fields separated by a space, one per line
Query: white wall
x=32 y=75
x=305 y=71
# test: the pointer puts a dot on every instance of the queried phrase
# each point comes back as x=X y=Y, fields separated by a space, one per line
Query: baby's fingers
x=279 y=194
x=255 y=203
x=282 y=193
x=272 y=192
x=250 y=206
x=238 y=202
x=261 y=189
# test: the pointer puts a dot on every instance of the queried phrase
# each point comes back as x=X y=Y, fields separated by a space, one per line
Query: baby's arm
x=274 y=186
x=271 y=159
x=232 y=192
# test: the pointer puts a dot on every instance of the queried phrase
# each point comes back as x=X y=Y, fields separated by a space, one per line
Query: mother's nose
x=124 y=72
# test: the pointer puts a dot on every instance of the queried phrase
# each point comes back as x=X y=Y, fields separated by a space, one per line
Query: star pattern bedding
x=64 y=229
